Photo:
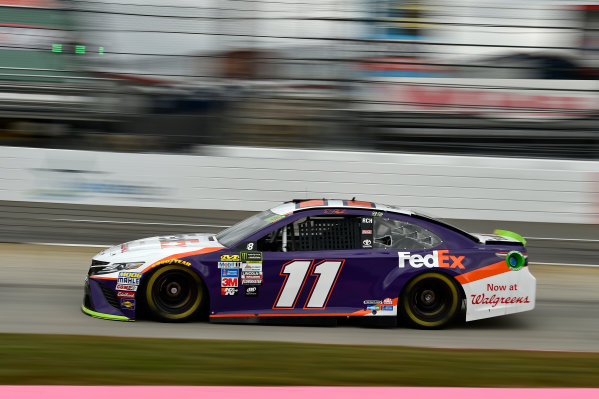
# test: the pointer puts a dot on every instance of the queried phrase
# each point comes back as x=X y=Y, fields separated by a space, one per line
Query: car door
x=314 y=263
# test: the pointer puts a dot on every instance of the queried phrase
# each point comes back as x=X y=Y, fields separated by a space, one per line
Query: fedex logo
x=436 y=259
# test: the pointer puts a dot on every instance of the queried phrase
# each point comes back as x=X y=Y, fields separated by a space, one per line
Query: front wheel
x=430 y=300
x=175 y=294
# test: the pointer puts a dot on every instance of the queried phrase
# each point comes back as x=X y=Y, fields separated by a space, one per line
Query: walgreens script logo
x=436 y=259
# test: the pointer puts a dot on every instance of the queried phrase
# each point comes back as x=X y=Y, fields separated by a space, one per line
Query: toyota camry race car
x=316 y=258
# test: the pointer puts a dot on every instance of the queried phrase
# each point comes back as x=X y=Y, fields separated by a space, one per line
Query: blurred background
x=479 y=77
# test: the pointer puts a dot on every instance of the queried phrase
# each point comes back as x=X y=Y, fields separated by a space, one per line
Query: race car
x=316 y=258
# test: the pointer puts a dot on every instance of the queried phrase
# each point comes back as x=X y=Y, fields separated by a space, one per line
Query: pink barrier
x=220 y=392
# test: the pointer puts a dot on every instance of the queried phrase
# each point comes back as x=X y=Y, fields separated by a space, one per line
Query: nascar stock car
x=316 y=258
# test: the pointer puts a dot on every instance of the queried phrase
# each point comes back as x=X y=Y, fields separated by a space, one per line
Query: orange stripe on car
x=305 y=204
x=487 y=271
x=183 y=255
x=360 y=203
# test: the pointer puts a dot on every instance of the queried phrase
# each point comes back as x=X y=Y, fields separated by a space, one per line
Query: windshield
x=247 y=227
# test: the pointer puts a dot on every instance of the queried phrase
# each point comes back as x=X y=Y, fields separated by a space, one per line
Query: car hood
x=158 y=246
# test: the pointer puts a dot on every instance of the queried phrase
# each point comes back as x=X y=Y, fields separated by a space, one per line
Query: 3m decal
x=128 y=304
x=229 y=282
x=126 y=287
x=229 y=258
x=229 y=265
x=229 y=291
x=251 y=291
x=296 y=272
x=125 y=294
x=436 y=259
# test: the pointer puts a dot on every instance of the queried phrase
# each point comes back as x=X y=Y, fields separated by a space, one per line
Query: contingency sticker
x=229 y=291
x=128 y=304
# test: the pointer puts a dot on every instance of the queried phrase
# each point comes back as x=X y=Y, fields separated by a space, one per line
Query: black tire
x=175 y=294
x=430 y=301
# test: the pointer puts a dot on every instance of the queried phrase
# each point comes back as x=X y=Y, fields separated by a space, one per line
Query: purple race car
x=316 y=258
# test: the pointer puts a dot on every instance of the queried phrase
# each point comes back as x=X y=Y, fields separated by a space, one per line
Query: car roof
x=300 y=205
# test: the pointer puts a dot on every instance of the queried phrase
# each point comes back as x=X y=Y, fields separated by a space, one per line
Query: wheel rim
x=175 y=292
x=431 y=300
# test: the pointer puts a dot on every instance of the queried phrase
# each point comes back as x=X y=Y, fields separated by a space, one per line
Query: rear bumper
x=501 y=294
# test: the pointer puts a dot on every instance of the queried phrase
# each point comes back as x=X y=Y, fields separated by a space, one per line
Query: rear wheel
x=430 y=300
x=175 y=294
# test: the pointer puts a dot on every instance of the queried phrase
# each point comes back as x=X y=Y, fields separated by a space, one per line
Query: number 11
x=295 y=272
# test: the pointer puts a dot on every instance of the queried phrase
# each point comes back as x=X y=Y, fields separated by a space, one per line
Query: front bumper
x=100 y=300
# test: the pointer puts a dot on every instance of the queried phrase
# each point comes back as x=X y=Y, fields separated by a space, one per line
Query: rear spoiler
x=510 y=234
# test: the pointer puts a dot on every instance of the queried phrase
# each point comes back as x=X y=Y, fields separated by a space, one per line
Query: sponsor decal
x=245 y=273
x=251 y=267
x=251 y=281
x=124 y=247
x=251 y=291
x=367 y=232
x=229 y=272
x=334 y=211
x=229 y=282
x=372 y=302
x=173 y=262
x=126 y=287
x=128 y=280
x=128 y=304
x=250 y=256
x=229 y=258
x=229 y=291
x=495 y=300
x=377 y=214
x=387 y=307
x=125 y=294
x=229 y=265
x=367 y=243
x=130 y=274
x=439 y=258
x=367 y=220
x=387 y=301
x=374 y=308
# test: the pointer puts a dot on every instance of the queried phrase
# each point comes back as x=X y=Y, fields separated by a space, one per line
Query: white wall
x=245 y=178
